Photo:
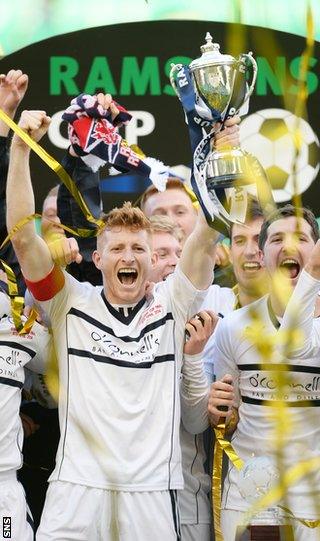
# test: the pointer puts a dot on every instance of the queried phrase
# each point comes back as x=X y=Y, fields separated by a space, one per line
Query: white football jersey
x=16 y=351
x=119 y=372
x=193 y=499
x=222 y=300
x=257 y=392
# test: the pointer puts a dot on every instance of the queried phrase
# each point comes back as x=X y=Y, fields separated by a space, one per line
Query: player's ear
x=154 y=259
x=261 y=255
x=97 y=259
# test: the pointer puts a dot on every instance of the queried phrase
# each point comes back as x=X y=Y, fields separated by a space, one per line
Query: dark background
x=164 y=39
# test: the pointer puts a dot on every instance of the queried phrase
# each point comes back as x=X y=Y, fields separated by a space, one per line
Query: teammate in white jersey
x=16 y=352
x=119 y=360
x=286 y=243
x=250 y=276
x=194 y=501
x=179 y=204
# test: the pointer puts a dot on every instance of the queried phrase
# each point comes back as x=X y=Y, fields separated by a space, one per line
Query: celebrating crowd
x=151 y=353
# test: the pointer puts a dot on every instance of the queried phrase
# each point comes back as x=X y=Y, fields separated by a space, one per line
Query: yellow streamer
x=228 y=449
x=216 y=489
x=17 y=303
x=308 y=523
x=221 y=445
x=55 y=166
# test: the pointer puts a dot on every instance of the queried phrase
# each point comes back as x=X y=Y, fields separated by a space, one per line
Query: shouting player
x=287 y=242
x=118 y=462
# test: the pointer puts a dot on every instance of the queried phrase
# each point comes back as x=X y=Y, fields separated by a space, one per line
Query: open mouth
x=290 y=267
x=166 y=275
x=251 y=266
x=127 y=276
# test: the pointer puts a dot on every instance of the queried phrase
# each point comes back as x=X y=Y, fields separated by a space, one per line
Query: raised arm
x=200 y=250
x=31 y=250
x=198 y=254
x=13 y=87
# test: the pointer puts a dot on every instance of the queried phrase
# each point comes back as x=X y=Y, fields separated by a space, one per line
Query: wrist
x=18 y=144
x=193 y=357
x=10 y=111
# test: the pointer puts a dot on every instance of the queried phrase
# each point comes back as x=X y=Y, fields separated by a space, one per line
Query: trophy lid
x=211 y=55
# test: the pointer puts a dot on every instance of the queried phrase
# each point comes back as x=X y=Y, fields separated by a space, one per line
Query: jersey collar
x=119 y=313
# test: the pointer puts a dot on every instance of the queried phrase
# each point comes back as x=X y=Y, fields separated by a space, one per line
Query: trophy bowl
x=214 y=84
x=222 y=86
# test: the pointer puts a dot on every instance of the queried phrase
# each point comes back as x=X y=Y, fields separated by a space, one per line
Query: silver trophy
x=222 y=89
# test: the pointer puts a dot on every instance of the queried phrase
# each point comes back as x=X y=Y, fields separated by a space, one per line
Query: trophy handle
x=174 y=69
x=244 y=58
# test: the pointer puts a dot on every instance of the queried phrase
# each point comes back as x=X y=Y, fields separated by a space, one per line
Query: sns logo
x=6 y=527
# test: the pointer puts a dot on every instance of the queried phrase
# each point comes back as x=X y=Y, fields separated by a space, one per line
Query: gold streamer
x=228 y=449
x=17 y=303
x=55 y=166
x=221 y=445
x=78 y=232
x=216 y=489
x=308 y=523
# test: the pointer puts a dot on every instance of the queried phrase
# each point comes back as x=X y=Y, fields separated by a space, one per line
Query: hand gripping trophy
x=211 y=89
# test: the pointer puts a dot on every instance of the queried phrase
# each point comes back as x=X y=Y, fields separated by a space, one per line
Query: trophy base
x=238 y=169
x=265 y=533
x=227 y=169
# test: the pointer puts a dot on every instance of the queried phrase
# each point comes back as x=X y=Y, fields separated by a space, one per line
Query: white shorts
x=80 y=513
x=230 y=519
x=195 y=532
x=15 y=516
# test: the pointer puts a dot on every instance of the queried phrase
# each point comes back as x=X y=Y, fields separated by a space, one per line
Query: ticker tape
x=55 y=166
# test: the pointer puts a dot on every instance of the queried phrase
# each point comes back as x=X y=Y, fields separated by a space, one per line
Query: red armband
x=49 y=286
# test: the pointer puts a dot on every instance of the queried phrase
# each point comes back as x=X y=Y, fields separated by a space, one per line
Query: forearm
x=198 y=255
x=4 y=128
x=31 y=250
x=194 y=392
x=20 y=198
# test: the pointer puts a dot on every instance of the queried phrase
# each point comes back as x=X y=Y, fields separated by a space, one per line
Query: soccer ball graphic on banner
x=269 y=135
